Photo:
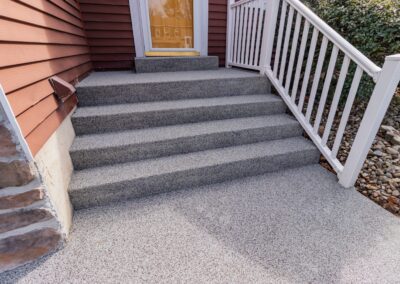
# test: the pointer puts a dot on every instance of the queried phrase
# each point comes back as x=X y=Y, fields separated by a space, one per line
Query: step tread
x=116 y=78
x=108 y=140
x=121 y=172
x=105 y=110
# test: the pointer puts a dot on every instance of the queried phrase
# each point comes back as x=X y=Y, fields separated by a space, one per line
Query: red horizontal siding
x=109 y=30
x=39 y=39
x=42 y=38
x=217 y=19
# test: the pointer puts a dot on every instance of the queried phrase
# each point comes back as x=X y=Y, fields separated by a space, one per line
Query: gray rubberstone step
x=104 y=88
x=102 y=185
x=100 y=119
x=174 y=64
x=109 y=148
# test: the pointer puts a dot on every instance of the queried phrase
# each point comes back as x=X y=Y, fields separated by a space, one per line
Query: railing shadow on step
x=286 y=41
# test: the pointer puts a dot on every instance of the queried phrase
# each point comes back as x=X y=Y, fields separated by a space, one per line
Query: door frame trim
x=139 y=20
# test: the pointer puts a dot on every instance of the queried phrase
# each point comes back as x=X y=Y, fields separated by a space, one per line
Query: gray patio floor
x=296 y=226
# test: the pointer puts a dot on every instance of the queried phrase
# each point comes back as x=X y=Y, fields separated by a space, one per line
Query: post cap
x=394 y=57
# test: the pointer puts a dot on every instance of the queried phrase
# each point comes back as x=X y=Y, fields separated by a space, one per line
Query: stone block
x=20 y=200
x=19 y=250
x=15 y=173
x=12 y=221
x=7 y=145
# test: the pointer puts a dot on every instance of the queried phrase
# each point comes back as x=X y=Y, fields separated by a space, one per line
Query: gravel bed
x=379 y=179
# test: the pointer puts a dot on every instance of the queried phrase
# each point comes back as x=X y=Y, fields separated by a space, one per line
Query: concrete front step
x=102 y=185
x=105 y=88
x=111 y=148
x=100 y=119
x=175 y=64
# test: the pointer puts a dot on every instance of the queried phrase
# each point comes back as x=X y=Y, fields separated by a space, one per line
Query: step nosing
x=177 y=80
x=155 y=175
x=184 y=162
x=86 y=142
x=159 y=106
x=172 y=81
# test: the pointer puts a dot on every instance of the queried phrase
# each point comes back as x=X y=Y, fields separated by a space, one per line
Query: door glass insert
x=171 y=23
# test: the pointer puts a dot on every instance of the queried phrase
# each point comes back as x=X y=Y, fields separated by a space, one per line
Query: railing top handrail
x=241 y=2
x=365 y=63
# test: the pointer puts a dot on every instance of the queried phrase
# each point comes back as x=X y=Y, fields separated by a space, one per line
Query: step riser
x=91 y=125
x=141 y=187
x=108 y=156
x=146 y=92
x=174 y=64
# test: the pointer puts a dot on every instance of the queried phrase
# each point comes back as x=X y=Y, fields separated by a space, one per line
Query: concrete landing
x=295 y=226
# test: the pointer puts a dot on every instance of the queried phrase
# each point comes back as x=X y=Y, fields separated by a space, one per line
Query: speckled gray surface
x=176 y=131
x=172 y=105
x=97 y=186
x=175 y=64
x=110 y=148
x=100 y=119
x=104 y=88
x=294 y=226
x=109 y=78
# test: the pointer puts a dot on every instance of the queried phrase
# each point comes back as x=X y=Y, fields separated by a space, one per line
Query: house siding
x=108 y=27
x=217 y=20
x=68 y=38
x=39 y=39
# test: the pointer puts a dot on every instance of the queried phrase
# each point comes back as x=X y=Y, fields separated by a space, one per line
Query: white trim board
x=6 y=108
x=141 y=33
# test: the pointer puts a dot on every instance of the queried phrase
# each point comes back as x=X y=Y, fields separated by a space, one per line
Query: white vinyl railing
x=294 y=47
x=244 y=34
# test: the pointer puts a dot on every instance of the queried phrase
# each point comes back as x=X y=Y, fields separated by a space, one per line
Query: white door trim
x=141 y=33
x=204 y=28
x=134 y=6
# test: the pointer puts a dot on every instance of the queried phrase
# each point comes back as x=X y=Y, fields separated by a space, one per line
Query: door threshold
x=171 y=53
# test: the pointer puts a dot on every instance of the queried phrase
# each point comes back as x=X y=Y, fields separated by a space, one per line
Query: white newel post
x=380 y=100
x=271 y=16
x=229 y=34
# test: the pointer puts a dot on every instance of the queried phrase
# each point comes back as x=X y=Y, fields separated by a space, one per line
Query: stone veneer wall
x=28 y=225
